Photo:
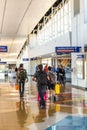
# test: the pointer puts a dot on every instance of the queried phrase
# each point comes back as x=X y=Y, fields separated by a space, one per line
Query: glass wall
x=57 y=25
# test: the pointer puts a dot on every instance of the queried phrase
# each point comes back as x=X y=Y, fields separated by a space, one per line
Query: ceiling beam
x=12 y=36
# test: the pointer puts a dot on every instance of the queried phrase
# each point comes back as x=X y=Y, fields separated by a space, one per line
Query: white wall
x=79 y=38
x=75 y=80
x=24 y=55
x=50 y=47
x=79 y=27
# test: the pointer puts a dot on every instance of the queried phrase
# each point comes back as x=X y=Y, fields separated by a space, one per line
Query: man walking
x=41 y=78
x=22 y=76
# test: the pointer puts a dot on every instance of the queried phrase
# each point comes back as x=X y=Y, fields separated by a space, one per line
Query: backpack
x=52 y=77
x=42 y=78
x=22 y=75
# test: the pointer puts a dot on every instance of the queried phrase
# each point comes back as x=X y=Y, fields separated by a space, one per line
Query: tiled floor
x=70 y=123
x=69 y=112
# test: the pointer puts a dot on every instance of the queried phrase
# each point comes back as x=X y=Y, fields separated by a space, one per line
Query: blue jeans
x=21 y=88
x=42 y=101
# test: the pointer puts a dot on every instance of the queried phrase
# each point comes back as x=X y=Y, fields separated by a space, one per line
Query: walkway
x=68 y=113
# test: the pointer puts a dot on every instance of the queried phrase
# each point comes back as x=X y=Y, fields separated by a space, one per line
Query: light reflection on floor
x=70 y=123
x=25 y=114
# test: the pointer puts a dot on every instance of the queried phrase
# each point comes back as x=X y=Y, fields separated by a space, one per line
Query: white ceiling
x=17 y=20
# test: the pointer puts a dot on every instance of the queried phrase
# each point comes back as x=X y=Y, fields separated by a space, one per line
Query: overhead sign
x=3 y=62
x=25 y=59
x=67 y=50
x=81 y=56
x=3 y=49
x=35 y=58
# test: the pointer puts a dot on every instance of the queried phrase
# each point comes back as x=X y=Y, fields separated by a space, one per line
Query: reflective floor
x=69 y=112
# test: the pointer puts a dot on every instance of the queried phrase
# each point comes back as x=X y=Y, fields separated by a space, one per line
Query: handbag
x=17 y=87
x=45 y=97
x=57 y=88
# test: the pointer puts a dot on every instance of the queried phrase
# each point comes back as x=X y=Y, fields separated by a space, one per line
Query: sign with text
x=25 y=59
x=81 y=56
x=3 y=49
x=3 y=62
x=35 y=58
x=67 y=50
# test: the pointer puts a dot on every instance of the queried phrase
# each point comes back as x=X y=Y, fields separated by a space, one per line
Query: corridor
x=68 y=112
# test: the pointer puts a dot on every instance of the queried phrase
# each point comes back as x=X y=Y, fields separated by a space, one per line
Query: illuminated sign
x=3 y=49
x=25 y=59
x=67 y=50
x=3 y=62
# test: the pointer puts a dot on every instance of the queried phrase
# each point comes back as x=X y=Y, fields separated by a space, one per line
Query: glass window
x=59 y=24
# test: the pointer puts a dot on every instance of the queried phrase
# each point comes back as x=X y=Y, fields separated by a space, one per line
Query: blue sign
x=81 y=56
x=25 y=59
x=67 y=50
x=3 y=49
x=3 y=62
x=35 y=58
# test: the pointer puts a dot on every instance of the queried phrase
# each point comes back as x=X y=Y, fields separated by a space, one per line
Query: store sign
x=3 y=49
x=67 y=50
x=25 y=59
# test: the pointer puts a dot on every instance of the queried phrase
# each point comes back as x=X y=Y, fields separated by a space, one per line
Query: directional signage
x=25 y=59
x=85 y=48
x=3 y=49
x=67 y=50
x=81 y=56
x=35 y=58
x=3 y=62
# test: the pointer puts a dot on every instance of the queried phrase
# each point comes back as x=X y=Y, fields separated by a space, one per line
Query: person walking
x=57 y=72
x=51 y=83
x=61 y=75
x=40 y=77
x=22 y=77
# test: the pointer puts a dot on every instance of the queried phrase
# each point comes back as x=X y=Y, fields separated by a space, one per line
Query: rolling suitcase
x=57 y=88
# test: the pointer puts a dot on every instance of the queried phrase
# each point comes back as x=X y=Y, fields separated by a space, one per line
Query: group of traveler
x=45 y=79
x=59 y=71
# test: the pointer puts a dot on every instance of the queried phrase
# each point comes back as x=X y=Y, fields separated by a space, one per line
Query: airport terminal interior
x=51 y=33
